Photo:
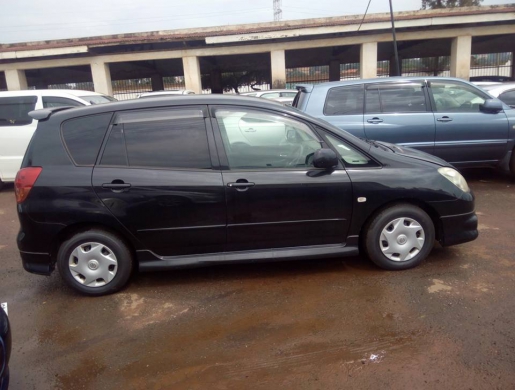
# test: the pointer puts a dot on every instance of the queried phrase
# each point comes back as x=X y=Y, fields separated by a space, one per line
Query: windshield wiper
x=378 y=145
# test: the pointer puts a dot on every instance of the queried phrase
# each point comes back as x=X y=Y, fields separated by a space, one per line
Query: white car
x=166 y=93
x=504 y=92
x=284 y=96
x=17 y=127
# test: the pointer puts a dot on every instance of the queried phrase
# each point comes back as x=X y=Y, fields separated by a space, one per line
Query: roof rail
x=45 y=113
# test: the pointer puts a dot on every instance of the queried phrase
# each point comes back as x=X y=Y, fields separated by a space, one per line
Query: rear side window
x=159 y=139
x=395 y=98
x=55 y=101
x=14 y=111
x=83 y=137
x=344 y=101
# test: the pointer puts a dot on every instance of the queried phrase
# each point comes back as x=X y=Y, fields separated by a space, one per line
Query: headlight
x=455 y=178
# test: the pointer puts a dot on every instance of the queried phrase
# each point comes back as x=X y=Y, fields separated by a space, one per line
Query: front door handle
x=117 y=186
x=444 y=119
x=240 y=185
x=374 y=120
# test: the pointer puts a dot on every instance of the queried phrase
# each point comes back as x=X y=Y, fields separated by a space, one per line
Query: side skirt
x=149 y=261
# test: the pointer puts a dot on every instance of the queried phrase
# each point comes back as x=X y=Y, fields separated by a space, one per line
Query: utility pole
x=278 y=12
x=396 y=53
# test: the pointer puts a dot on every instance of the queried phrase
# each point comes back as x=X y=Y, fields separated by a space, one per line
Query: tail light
x=24 y=182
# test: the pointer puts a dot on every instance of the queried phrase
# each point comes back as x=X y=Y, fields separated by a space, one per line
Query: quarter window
x=344 y=101
x=257 y=140
x=454 y=97
x=83 y=137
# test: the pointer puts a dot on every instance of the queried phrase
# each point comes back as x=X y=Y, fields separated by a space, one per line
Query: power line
x=278 y=12
x=366 y=11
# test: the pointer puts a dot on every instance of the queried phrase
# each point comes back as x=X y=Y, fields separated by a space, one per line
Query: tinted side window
x=83 y=137
x=115 y=152
x=14 y=111
x=167 y=139
x=372 y=103
x=344 y=101
x=53 y=101
x=405 y=97
x=508 y=97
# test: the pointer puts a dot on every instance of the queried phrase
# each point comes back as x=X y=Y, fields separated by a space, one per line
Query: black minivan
x=153 y=184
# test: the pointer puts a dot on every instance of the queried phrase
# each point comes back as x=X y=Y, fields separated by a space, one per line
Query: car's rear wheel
x=1 y=185
x=95 y=262
x=512 y=162
x=399 y=237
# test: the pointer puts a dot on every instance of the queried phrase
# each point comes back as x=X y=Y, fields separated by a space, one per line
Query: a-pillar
x=334 y=70
x=15 y=80
x=192 y=78
x=216 y=81
x=368 y=60
x=461 y=50
x=278 y=65
x=101 y=78
x=157 y=82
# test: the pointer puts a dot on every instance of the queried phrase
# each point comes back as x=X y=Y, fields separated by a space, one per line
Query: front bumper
x=457 y=229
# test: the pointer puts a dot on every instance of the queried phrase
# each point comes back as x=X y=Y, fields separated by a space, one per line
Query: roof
x=203 y=33
x=49 y=92
x=331 y=84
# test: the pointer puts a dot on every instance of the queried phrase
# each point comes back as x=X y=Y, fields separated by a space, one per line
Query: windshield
x=98 y=99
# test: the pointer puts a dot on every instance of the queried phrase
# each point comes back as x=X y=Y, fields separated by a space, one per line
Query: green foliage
x=436 y=4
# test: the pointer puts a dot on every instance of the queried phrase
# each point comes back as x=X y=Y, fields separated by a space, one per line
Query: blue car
x=446 y=117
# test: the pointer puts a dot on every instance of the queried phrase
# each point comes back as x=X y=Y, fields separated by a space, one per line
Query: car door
x=464 y=134
x=158 y=176
x=399 y=113
x=275 y=198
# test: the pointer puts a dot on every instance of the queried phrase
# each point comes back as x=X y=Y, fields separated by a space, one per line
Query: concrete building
x=274 y=48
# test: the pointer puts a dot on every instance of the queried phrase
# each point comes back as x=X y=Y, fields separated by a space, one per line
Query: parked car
x=5 y=350
x=504 y=92
x=283 y=96
x=16 y=127
x=446 y=117
x=188 y=181
x=166 y=93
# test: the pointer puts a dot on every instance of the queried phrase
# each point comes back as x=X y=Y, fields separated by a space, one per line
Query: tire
x=95 y=262
x=1 y=185
x=399 y=237
x=512 y=163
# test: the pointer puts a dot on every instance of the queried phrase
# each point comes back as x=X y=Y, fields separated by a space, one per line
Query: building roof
x=484 y=14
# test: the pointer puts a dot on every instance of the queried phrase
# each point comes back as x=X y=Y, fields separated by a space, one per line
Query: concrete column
x=192 y=78
x=368 y=60
x=157 y=82
x=101 y=78
x=216 y=81
x=16 y=80
x=278 y=66
x=461 y=50
x=334 y=70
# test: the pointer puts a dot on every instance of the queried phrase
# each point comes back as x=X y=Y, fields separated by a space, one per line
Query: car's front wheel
x=95 y=262
x=399 y=237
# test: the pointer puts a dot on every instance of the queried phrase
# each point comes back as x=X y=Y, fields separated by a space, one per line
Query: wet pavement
x=325 y=324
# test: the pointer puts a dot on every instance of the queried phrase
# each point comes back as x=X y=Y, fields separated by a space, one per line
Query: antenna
x=278 y=12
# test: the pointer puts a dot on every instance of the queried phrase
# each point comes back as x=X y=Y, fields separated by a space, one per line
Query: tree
x=436 y=4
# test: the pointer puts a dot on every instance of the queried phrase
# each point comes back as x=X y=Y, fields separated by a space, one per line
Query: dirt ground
x=326 y=324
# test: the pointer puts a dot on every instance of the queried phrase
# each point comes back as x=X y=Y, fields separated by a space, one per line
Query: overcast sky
x=35 y=20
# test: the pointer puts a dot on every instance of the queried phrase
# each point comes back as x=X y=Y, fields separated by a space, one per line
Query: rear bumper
x=457 y=229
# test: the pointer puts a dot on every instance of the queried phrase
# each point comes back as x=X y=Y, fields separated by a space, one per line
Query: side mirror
x=325 y=158
x=491 y=105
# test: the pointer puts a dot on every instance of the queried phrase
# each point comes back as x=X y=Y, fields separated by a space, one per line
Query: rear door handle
x=374 y=120
x=117 y=186
x=240 y=185
x=444 y=119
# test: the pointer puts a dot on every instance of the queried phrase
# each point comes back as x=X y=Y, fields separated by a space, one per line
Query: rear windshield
x=14 y=111
x=98 y=99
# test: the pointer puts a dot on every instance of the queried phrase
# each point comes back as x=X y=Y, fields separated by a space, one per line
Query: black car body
x=5 y=350
x=161 y=183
